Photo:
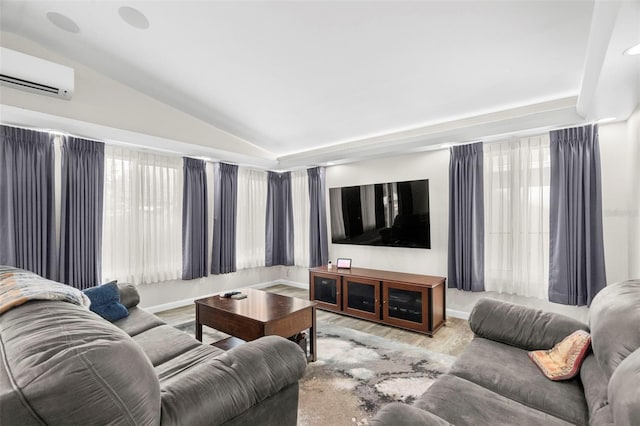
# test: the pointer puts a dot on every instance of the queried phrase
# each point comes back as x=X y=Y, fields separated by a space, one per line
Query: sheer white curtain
x=251 y=217
x=142 y=234
x=301 y=213
x=516 y=208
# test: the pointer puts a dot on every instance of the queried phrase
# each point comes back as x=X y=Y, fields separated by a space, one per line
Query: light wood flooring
x=450 y=339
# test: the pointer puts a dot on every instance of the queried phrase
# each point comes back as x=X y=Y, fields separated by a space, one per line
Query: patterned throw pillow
x=562 y=362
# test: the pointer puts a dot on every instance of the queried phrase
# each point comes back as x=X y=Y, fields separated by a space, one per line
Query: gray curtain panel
x=194 y=220
x=466 y=218
x=318 y=239
x=27 y=200
x=576 y=249
x=225 y=200
x=80 y=254
x=279 y=223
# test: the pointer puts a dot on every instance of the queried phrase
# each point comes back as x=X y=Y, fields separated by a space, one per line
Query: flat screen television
x=383 y=214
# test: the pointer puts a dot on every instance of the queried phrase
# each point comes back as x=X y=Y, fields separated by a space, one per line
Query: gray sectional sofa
x=495 y=383
x=62 y=364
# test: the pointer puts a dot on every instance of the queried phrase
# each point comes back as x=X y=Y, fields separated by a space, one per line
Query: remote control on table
x=239 y=296
x=230 y=294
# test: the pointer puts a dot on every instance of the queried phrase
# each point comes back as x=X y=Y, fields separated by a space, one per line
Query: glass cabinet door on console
x=325 y=289
x=361 y=297
x=405 y=306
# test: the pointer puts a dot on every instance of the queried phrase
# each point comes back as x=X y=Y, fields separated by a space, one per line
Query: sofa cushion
x=190 y=359
x=220 y=389
x=594 y=384
x=399 y=414
x=563 y=361
x=520 y=326
x=462 y=403
x=614 y=316
x=624 y=395
x=105 y=301
x=65 y=362
x=138 y=321
x=602 y=417
x=129 y=295
x=508 y=371
x=164 y=342
x=281 y=408
x=13 y=409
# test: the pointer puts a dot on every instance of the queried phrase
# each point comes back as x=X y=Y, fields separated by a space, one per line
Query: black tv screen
x=384 y=214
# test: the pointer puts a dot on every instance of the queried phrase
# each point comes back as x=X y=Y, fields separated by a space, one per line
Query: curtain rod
x=112 y=143
x=536 y=131
x=55 y=132
x=130 y=146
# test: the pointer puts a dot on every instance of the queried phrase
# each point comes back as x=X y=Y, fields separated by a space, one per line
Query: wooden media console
x=411 y=301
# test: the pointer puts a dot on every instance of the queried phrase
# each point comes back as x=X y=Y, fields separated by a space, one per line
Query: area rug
x=357 y=373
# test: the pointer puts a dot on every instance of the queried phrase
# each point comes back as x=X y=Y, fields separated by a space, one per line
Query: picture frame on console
x=343 y=263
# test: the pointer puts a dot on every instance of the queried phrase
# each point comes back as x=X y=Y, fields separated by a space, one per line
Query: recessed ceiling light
x=63 y=22
x=634 y=50
x=133 y=17
x=606 y=120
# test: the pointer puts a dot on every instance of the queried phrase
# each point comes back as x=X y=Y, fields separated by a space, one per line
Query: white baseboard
x=178 y=303
x=458 y=314
x=293 y=284
x=189 y=301
x=275 y=282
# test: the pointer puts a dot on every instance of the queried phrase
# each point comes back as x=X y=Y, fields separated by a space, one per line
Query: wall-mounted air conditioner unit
x=26 y=72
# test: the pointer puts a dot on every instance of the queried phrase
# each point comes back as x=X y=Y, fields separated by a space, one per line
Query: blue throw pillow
x=105 y=301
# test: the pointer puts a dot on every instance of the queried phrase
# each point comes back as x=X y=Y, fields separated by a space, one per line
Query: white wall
x=620 y=156
x=616 y=181
x=633 y=132
x=173 y=293
x=432 y=165
x=620 y=161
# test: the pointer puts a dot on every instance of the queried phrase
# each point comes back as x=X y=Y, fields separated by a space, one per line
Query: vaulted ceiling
x=314 y=81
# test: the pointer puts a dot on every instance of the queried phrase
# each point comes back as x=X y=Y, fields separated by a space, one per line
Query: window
x=516 y=208
x=301 y=216
x=142 y=232
x=251 y=218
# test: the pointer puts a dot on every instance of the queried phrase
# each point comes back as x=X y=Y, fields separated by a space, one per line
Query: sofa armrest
x=397 y=414
x=224 y=387
x=129 y=295
x=519 y=326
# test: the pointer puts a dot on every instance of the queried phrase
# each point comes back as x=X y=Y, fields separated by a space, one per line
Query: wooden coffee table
x=260 y=314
